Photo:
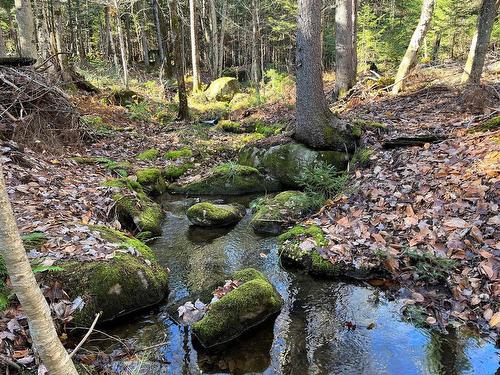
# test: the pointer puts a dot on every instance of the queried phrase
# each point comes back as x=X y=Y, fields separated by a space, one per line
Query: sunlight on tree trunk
x=416 y=41
x=195 y=57
x=479 y=46
x=121 y=41
x=345 y=71
x=26 y=28
x=42 y=329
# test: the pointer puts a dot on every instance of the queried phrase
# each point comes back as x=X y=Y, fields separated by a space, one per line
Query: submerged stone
x=222 y=89
x=229 y=179
x=275 y=214
x=215 y=215
x=247 y=306
x=117 y=286
x=286 y=161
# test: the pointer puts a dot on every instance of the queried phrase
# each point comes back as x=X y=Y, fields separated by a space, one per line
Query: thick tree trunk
x=479 y=46
x=159 y=36
x=183 y=113
x=26 y=28
x=195 y=55
x=345 y=73
x=416 y=41
x=42 y=329
x=121 y=41
x=317 y=127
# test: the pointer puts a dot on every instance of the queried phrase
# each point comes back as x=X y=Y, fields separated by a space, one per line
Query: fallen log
x=417 y=140
x=17 y=61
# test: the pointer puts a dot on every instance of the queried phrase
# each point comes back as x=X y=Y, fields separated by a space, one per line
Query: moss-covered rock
x=173 y=172
x=286 y=161
x=247 y=306
x=273 y=215
x=124 y=97
x=303 y=247
x=184 y=152
x=222 y=89
x=147 y=155
x=229 y=179
x=207 y=214
x=152 y=180
x=117 y=286
x=237 y=127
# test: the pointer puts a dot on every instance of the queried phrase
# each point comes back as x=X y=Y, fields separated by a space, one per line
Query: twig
x=86 y=335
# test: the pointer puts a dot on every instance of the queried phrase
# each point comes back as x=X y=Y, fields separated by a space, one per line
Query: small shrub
x=361 y=157
x=322 y=179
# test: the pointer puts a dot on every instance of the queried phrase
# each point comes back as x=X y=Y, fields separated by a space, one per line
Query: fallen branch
x=9 y=362
x=86 y=335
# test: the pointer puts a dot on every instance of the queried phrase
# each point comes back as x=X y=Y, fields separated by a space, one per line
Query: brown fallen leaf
x=495 y=320
x=456 y=222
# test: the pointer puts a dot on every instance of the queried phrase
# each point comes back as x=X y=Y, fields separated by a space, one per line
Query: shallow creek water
x=308 y=337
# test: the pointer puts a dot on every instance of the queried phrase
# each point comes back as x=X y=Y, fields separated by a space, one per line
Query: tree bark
x=121 y=41
x=221 y=38
x=316 y=127
x=415 y=43
x=213 y=42
x=2 y=44
x=26 y=28
x=183 y=113
x=195 y=55
x=256 y=72
x=79 y=34
x=144 y=38
x=159 y=36
x=345 y=74
x=42 y=330
x=479 y=46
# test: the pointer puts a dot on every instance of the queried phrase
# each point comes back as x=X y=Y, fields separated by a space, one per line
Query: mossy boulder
x=148 y=155
x=247 y=306
x=273 y=215
x=184 y=152
x=173 y=172
x=222 y=89
x=304 y=247
x=118 y=286
x=208 y=214
x=152 y=180
x=286 y=161
x=237 y=127
x=124 y=97
x=229 y=179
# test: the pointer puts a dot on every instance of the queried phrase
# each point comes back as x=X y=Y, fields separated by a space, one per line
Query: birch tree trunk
x=344 y=54
x=195 y=55
x=42 y=330
x=121 y=41
x=415 y=43
x=26 y=28
x=316 y=127
x=479 y=46
x=183 y=112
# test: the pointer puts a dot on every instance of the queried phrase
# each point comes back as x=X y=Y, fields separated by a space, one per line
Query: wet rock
x=215 y=215
x=286 y=161
x=129 y=281
x=304 y=247
x=275 y=214
x=222 y=89
x=247 y=306
x=229 y=179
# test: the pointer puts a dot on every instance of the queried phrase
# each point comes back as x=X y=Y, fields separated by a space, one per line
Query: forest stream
x=310 y=334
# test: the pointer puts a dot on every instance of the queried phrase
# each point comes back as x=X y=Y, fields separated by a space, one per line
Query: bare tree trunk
x=213 y=44
x=121 y=41
x=415 y=43
x=183 y=113
x=221 y=38
x=479 y=46
x=79 y=34
x=435 y=47
x=144 y=38
x=256 y=72
x=26 y=28
x=354 y=70
x=344 y=54
x=42 y=329
x=159 y=36
x=195 y=56
x=317 y=127
x=2 y=44
x=130 y=46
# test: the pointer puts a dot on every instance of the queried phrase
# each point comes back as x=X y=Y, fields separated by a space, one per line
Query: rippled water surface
x=308 y=337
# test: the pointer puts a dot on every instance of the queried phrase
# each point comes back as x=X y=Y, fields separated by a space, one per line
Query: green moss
x=124 y=241
x=173 y=172
x=492 y=124
x=123 y=183
x=248 y=305
x=222 y=89
x=148 y=176
x=231 y=126
x=147 y=155
x=362 y=156
x=209 y=214
x=138 y=212
x=299 y=231
x=181 y=153
x=91 y=160
x=33 y=240
x=323 y=267
x=231 y=170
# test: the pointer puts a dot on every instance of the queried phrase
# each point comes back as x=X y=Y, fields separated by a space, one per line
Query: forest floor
x=437 y=203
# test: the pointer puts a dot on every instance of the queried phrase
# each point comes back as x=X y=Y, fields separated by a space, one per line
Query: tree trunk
x=130 y=47
x=121 y=41
x=144 y=38
x=345 y=74
x=26 y=28
x=416 y=41
x=317 y=127
x=435 y=48
x=159 y=36
x=42 y=330
x=479 y=46
x=195 y=56
x=183 y=113
x=256 y=72
x=213 y=43
x=221 y=38
x=79 y=34
x=2 y=44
